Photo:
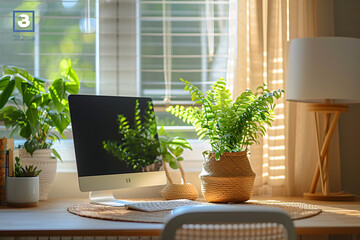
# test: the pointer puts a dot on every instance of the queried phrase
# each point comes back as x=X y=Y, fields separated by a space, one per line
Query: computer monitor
x=101 y=166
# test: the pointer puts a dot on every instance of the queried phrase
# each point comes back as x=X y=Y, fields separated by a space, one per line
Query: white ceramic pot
x=22 y=190
x=43 y=160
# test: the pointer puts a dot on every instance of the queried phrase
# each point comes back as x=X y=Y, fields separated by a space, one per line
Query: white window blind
x=182 y=39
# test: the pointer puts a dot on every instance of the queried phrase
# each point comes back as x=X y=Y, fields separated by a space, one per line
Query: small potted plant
x=231 y=127
x=171 y=149
x=39 y=113
x=22 y=190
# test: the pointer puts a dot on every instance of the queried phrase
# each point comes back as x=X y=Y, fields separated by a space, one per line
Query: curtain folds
x=260 y=41
x=285 y=161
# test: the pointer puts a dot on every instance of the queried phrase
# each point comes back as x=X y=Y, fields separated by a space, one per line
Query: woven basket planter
x=179 y=191
x=229 y=179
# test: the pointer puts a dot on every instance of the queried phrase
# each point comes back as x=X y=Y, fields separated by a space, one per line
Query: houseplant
x=171 y=149
x=138 y=147
x=230 y=127
x=37 y=111
x=23 y=189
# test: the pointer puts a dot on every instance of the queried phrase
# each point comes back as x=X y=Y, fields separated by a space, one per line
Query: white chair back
x=228 y=223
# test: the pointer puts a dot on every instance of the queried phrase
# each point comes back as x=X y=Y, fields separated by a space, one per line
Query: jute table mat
x=296 y=210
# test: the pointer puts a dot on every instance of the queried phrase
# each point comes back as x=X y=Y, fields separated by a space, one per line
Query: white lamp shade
x=323 y=68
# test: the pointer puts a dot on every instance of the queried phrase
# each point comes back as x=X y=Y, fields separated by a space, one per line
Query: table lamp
x=325 y=73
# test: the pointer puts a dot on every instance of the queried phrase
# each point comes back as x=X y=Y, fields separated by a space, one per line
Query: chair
x=228 y=222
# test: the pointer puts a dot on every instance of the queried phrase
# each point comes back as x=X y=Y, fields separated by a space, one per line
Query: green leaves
x=27 y=171
x=139 y=147
x=4 y=81
x=171 y=148
x=32 y=111
x=31 y=145
x=58 y=94
x=59 y=120
x=6 y=93
x=73 y=84
x=229 y=125
x=56 y=154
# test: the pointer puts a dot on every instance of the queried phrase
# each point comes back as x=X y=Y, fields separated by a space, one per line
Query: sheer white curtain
x=285 y=160
x=261 y=35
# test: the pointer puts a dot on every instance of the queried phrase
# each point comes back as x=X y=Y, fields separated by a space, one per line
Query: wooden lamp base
x=322 y=169
x=339 y=196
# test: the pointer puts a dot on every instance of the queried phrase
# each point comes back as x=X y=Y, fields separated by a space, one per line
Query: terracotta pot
x=179 y=191
x=229 y=179
x=43 y=160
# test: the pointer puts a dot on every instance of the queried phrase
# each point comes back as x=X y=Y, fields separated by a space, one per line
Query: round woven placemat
x=117 y=213
x=296 y=210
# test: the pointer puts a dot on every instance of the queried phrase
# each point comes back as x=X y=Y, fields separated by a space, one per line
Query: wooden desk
x=51 y=218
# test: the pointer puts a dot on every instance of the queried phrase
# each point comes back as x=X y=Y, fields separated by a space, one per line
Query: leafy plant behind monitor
x=34 y=111
x=230 y=126
x=139 y=146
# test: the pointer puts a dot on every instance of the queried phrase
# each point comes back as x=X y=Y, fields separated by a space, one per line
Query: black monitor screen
x=114 y=135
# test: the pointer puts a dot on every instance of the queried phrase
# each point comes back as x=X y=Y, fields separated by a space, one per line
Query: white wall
x=347 y=24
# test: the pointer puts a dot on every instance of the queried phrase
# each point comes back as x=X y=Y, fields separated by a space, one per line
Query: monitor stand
x=106 y=198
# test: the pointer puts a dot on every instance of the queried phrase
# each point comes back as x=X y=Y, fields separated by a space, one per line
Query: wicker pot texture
x=229 y=179
x=179 y=191
x=41 y=159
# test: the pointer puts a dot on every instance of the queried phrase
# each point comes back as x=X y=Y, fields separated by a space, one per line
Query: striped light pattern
x=272 y=166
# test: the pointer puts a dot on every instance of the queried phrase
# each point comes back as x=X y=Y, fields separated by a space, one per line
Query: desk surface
x=51 y=218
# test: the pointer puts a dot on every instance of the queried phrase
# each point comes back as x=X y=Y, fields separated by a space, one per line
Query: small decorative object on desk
x=231 y=127
x=171 y=149
x=22 y=190
x=38 y=114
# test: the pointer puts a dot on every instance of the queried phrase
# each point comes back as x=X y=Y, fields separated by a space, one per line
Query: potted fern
x=230 y=127
x=22 y=190
x=37 y=111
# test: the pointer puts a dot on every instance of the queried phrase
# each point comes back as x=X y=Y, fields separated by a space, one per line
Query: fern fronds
x=230 y=126
x=139 y=146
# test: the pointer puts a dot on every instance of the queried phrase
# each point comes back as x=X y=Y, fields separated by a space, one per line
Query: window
x=123 y=47
x=63 y=29
x=147 y=46
x=182 y=39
